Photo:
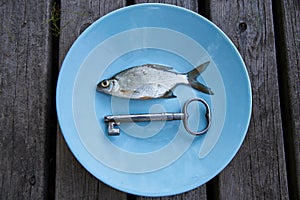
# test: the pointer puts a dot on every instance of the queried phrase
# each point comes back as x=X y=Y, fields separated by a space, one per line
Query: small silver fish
x=151 y=81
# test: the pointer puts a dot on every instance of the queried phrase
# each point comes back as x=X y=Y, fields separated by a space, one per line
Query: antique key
x=115 y=120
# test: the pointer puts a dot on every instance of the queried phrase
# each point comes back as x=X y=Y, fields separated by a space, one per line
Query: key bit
x=112 y=130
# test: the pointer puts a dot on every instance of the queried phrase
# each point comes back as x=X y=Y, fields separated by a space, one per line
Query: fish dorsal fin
x=159 y=67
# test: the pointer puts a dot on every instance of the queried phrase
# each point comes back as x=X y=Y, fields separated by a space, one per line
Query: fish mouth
x=104 y=88
x=99 y=86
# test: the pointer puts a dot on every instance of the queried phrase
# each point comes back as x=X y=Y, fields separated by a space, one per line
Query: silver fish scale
x=150 y=80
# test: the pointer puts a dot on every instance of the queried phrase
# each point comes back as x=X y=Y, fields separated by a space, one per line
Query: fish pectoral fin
x=129 y=92
x=169 y=94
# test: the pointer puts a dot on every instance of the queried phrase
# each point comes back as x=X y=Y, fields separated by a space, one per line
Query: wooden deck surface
x=35 y=162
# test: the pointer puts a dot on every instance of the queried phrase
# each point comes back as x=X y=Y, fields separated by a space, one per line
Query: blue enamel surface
x=188 y=171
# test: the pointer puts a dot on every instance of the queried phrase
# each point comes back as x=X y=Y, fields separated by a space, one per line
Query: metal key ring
x=207 y=116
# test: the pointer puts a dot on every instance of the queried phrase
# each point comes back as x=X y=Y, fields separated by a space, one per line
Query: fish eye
x=105 y=83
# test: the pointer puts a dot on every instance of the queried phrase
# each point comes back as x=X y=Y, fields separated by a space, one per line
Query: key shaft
x=144 y=117
x=115 y=120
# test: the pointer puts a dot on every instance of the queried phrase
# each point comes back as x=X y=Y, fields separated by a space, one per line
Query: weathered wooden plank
x=288 y=54
x=258 y=171
x=25 y=89
x=72 y=180
x=199 y=193
x=189 y=4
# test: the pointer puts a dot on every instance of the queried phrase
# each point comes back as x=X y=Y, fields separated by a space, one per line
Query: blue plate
x=157 y=158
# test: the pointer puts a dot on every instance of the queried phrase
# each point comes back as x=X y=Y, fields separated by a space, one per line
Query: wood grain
x=199 y=193
x=189 y=4
x=288 y=54
x=25 y=99
x=258 y=171
x=72 y=180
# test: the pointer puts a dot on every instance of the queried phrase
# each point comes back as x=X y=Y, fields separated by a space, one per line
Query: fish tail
x=192 y=78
